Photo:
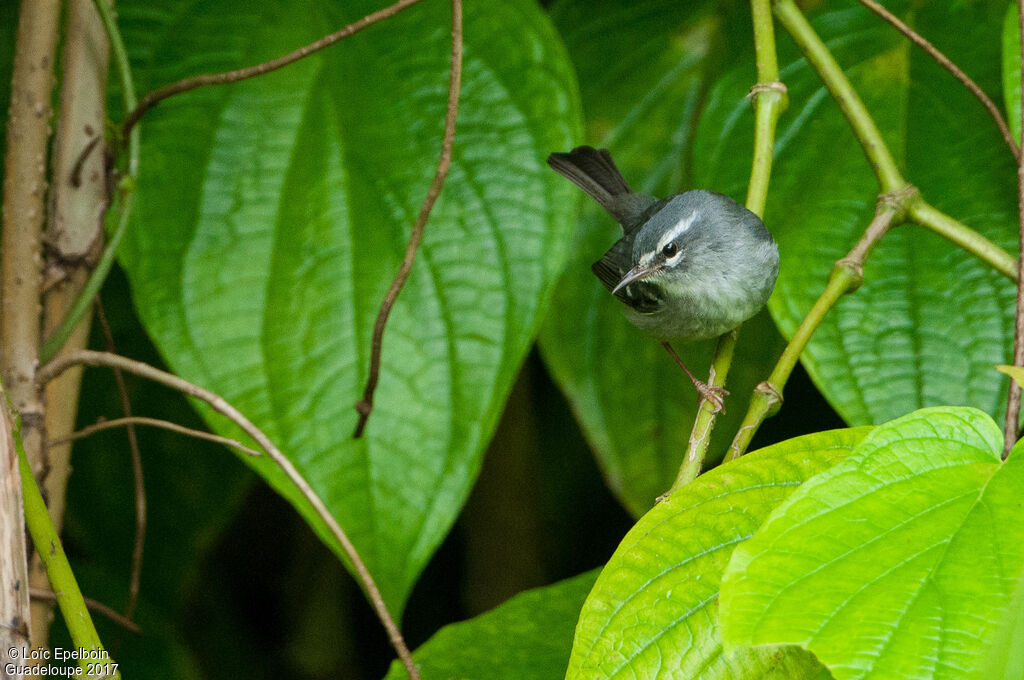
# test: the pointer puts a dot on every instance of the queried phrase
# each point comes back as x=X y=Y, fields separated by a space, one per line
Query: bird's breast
x=689 y=314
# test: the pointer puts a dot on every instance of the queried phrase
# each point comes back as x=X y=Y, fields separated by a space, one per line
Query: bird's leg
x=713 y=393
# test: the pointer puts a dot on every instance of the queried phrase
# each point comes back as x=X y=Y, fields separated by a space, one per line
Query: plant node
x=772 y=395
x=777 y=87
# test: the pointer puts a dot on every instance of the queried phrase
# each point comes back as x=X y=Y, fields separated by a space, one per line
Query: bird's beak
x=636 y=273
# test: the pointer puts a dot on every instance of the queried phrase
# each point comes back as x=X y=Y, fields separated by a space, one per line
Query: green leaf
x=644 y=69
x=1011 y=67
x=899 y=562
x=1015 y=372
x=654 y=610
x=930 y=320
x=274 y=213
x=526 y=638
x=1005 y=659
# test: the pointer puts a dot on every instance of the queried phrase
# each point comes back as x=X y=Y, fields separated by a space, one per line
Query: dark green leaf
x=654 y=610
x=899 y=562
x=930 y=320
x=526 y=638
x=643 y=68
x=273 y=214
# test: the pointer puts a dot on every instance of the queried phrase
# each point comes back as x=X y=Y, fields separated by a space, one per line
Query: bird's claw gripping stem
x=713 y=393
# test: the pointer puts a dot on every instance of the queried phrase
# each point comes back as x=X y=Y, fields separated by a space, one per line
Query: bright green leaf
x=899 y=562
x=526 y=638
x=1011 y=67
x=654 y=612
x=273 y=215
x=643 y=70
x=930 y=320
x=1005 y=660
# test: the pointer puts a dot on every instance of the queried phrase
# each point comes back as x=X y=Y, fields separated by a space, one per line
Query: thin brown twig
x=75 y=178
x=153 y=422
x=139 y=483
x=93 y=358
x=94 y=605
x=365 y=405
x=947 y=64
x=207 y=79
x=1011 y=428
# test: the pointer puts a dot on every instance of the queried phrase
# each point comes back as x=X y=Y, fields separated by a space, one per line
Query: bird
x=689 y=267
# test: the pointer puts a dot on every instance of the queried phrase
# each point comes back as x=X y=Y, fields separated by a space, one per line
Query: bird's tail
x=593 y=171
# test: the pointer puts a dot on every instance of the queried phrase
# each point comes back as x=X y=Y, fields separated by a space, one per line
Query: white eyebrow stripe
x=679 y=229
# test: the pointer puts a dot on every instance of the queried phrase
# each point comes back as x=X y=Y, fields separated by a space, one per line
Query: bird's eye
x=669 y=250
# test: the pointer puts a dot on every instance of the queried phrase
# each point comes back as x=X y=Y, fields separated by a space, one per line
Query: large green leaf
x=273 y=214
x=643 y=69
x=526 y=638
x=900 y=562
x=654 y=610
x=930 y=320
x=1005 y=658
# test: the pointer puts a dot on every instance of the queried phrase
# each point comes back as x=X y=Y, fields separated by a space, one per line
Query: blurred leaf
x=643 y=70
x=897 y=563
x=158 y=653
x=1011 y=67
x=526 y=638
x=654 y=610
x=930 y=320
x=273 y=214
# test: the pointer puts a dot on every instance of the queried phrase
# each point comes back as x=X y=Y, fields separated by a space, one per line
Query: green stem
x=889 y=178
x=55 y=562
x=942 y=224
x=846 y=277
x=901 y=201
x=768 y=396
x=769 y=107
x=126 y=192
x=700 y=435
x=769 y=102
x=831 y=74
x=124 y=72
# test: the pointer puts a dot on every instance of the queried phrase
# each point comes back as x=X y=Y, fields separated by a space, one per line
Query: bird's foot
x=713 y=393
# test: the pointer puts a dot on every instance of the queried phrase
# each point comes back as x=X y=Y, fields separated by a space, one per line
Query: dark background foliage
x=236 y=583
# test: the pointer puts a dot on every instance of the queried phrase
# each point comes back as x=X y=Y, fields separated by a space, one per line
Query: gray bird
x=689 y=267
